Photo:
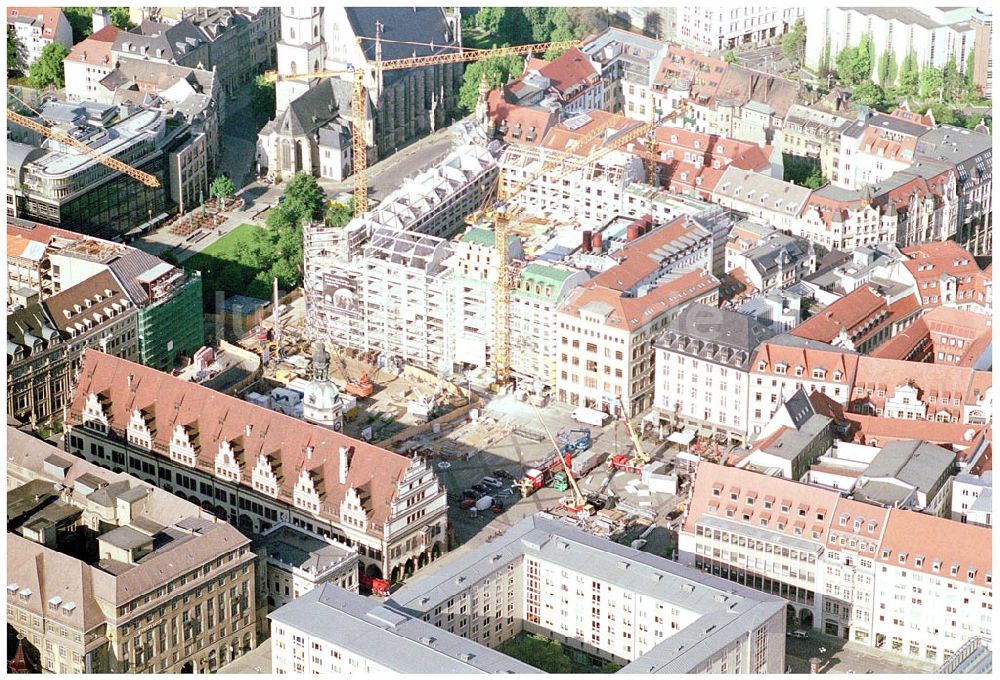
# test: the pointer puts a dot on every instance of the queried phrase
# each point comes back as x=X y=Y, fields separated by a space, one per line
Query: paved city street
x=841 y=656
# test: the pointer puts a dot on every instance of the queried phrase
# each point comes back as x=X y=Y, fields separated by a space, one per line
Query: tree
x=952 y=85
x=304 y=195
x=932 y=83
x=868 y=94
x=262 y=97
x=971 y=91
x=221 y=189
x=540 y=21
x=11 y=51
x=729 y=57
x=80 y=20
x=793 y=43
x=497 y=69
x=48 y=68
x=120 y=18
x=855 y=64
x=887 y=68
x=338 y=214
x=489 y=19
x=909 y=75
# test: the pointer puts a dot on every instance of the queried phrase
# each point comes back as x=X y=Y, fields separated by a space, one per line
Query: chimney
x=309 y=453
x=345 y=462
x=588 y=239
x=131 y=379
x=249 y=429
x=597 y=240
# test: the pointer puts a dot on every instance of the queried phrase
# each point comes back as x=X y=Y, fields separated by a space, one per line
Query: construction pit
x=507 y=437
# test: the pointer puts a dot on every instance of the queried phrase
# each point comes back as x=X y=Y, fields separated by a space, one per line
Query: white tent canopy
x=683 y=438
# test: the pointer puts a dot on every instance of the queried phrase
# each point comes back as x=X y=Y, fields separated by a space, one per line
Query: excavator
x=621 y=461
x=361 y=386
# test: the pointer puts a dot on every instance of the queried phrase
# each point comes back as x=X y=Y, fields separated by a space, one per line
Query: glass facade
x=109 y=209
x=172 y=327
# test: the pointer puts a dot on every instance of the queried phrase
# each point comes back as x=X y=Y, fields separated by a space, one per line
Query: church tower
x=321 y=403
x=301 y=49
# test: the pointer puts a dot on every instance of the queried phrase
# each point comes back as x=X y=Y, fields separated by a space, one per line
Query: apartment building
x=48 y=260
x=971 y=154
x=912 y=475
x=795 y=438
x=256 y=467
x=567 y=85
x=88 y=63
x=865 y=318
x=972 y=494
x=935 y=584
x=607 y=328
x=747 y=105
x=702 y=370
x=846 y=220
x=161 y=586
x=932 y=35
x=787 y=363
x=947 y=275
x=46 y=341
x=777 y=263
x=710 y=29
x=883 y=577
x=292 y=562
x=982 y=74
x=609 y=601
x=33 y=28
x=814 y=133
x=395 y=257
x=687 y=75
x=539 y=288
x=764 y=199
x=628 y=65
x=876 y=146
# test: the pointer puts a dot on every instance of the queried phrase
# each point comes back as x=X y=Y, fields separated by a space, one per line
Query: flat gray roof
x=390 y=638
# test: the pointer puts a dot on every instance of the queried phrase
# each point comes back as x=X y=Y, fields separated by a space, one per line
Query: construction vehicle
x=580 y=444
x=576 y=503
x=378 y=586
x=639 y=459
x=359 y=144
x=537 y=477
x=559 y=481
x=361 y=386
x=103 y=158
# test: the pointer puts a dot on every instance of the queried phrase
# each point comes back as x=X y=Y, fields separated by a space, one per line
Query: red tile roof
x=637 y=259
x=561 y=138
x=910 y=344
x=930 y=261
x=949 y=545
x=523 y=118
x=809 y=358
x=850 y=313
x=49 y=17
x=708 y=157
x=704 y=72
x=973 y=329
x=814 y=501
x=632 y=313
x=217 y=418
x=96 y=49
x=857 y=521
x=20 y=236
x=569 y=73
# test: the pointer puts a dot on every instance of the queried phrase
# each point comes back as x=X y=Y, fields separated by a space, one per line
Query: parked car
x=492 y=482
x=469 y=493
x=481 y=488
x=505 y=493
x=799 y=635
x=503 y=474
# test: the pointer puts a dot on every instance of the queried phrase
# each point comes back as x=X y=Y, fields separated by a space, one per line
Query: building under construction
x=382 y=282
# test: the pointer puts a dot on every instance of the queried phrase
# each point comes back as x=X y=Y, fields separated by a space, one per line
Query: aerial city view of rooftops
x=499 y=339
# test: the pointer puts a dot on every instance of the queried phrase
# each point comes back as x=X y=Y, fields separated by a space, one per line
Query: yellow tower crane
x=103 y=158
x=501 y=216
x=359 y=146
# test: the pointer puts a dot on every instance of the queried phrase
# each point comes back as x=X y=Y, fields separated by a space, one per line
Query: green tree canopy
x=729 y=57
x=869 y=94
x=498 y=71
x=540 y=22
x=970 y=75
x=221 y=188
x=262 y=97
x=887 y=69
x=338 y=214
x=932 y=83
x=120 y=18
x=854 y=64
x=48 y=68
x=11 y=50
x=793 y=43
x=304 y=195
x=909 y=75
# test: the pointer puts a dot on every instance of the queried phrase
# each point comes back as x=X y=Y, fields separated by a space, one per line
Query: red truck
x=378 y=586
